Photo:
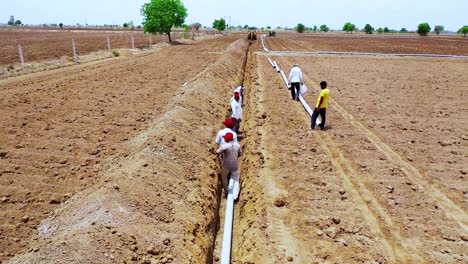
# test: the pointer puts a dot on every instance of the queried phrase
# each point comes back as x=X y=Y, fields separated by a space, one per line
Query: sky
x=394 y=14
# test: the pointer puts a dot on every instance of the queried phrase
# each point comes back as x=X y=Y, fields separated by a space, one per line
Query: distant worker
x=236 y=108
x=240 y=90
x=231 y=152
x=321 y=106
x=229 y=123
x=295 y=81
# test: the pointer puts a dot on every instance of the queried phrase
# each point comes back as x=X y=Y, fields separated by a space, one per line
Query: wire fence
x=26 y=46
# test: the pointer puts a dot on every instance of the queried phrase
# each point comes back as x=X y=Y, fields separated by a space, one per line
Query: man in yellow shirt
x=321 y=106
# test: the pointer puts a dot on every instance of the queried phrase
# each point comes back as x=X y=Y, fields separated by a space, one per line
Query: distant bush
x=300 y=28
x=438 y=29
x=219 y=24
x=324 y=28
x=463 y=30
x=116 y=53
x=380 y=30
x=349 y=27
x=423 y=29
x=386 y=30
x=403 y=30
x=368 y=29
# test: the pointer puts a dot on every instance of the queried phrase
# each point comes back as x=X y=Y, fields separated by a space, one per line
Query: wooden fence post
x=74 y=50
x=21 y=54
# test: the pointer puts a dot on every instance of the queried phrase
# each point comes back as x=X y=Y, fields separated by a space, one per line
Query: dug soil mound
x=159 y=202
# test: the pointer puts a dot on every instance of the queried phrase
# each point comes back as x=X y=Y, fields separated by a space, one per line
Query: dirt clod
x=280 y=202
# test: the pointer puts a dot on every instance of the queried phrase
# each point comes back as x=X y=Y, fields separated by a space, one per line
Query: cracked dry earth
x=136 y=181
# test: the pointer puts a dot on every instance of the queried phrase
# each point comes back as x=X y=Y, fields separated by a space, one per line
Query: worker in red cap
x=231 y=152
x=240 y=90
x=229 y=123
x=236 y=111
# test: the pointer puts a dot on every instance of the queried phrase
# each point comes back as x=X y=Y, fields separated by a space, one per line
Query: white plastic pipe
x=284 y=79
x=227 y=232
x=276 y=66
x=301 y=99
x=271 y=62
x=263 y=43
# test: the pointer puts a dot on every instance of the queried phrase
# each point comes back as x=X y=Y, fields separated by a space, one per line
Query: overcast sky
x=261 y=13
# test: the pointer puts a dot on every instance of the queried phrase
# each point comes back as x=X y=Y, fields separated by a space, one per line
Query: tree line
x=423 y=29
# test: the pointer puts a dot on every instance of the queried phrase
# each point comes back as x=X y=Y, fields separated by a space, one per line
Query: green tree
x=246 y=26
x=159 y=16
x=463 y=30
x=349 y=27
x=315 y=28
x=61 y=25
x=300 y=28
x=11 y=22
x=219 y=24
x=324 y=28
x=368 y=29
x=380 y=30
x=125 y=25
x=18 y=22
x=438 y=29
x=386 y=30
x=423 y=29
x=403 y=30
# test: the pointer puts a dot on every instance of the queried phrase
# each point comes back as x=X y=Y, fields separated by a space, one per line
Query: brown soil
x=385 y=183
x=123 y=131
x=451 y=45
x=45 y=44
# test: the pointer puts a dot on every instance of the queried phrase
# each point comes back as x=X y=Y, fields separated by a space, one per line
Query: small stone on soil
x=336 y=220
x=280 y=203
x=54 y=200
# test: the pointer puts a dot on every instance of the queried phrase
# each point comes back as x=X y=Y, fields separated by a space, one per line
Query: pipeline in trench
x=215 y=252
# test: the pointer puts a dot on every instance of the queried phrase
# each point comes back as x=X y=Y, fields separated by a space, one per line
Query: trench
x=215 y=249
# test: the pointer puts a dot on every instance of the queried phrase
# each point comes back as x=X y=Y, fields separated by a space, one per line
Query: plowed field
x=111 y=161
x=452 y=45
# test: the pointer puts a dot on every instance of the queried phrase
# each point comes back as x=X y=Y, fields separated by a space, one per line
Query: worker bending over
x=231 y=152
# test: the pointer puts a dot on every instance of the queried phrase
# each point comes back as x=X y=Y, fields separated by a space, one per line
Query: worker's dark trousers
x=295 y=88
x=236 y=125
x=322 y=112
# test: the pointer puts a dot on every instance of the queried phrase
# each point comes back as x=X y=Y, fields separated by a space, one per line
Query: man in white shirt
x=236 y=108
x=229 y=123
x=295 y=81
x=231 y=152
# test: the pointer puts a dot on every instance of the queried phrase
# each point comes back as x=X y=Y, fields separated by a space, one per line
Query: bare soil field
x=385 y=183
x=42 y=45
x=452 y=45
x=111 y=162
